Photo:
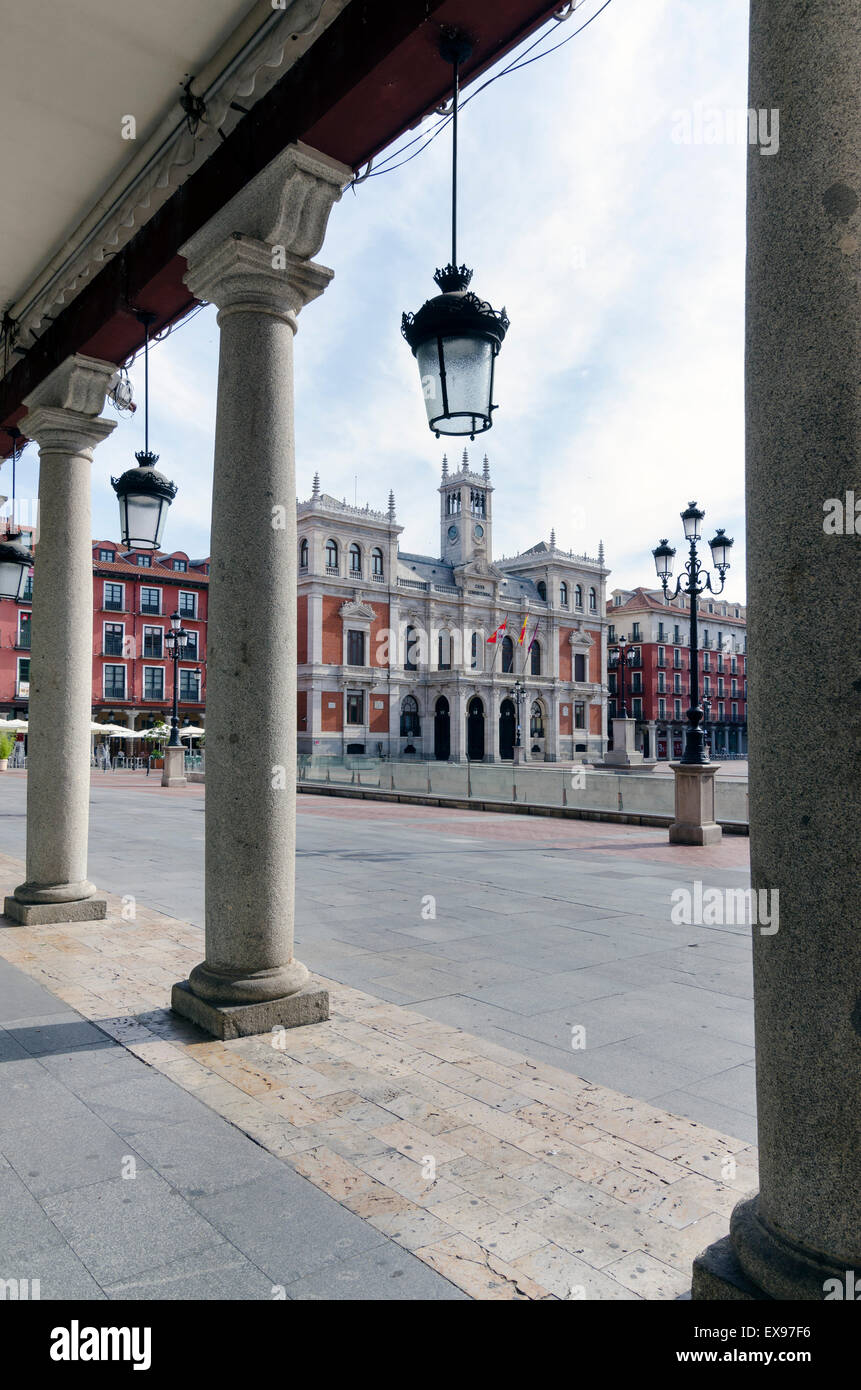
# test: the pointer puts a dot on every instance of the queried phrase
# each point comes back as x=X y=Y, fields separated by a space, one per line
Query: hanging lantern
x=456 y=336
x=143 y=493
x=16 y=557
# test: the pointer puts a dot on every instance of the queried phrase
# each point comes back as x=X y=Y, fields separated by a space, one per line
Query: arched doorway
x=441 y=730
x=507 y=730
x=475 y=730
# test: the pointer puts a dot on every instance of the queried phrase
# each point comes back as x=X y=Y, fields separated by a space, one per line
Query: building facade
x=658 y=683
x=134 y=595
x=394 y=657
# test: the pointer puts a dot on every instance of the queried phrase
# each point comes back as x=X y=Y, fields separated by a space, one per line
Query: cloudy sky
x=618 y=251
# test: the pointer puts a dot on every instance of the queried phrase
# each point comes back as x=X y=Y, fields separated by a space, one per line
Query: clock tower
x=465 y=513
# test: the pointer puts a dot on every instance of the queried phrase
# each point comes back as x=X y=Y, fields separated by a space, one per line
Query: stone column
x=803 y=402
x=253 y=261
x=63 y=417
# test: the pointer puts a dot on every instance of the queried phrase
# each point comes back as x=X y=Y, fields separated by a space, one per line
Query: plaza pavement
x=449 y=1045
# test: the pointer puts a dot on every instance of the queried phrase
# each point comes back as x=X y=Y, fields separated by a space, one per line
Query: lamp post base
x=695 y=822
x=173 y=773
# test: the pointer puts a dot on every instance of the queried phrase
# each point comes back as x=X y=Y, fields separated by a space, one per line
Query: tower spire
x=465 y=460
x=486 y=469
x=445 y=466
x=391 y=505
x=553 y=539
x=315 y=490
x=600 y=552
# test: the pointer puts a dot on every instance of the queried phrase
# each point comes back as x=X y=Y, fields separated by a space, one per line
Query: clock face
x=452 y=533
x=478 y=532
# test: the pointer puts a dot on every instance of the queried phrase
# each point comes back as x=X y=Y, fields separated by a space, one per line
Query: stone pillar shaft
x=253 y=261
x=803 y=406
x=63 y=418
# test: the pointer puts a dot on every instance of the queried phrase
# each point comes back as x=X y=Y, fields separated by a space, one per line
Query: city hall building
x=393 y=650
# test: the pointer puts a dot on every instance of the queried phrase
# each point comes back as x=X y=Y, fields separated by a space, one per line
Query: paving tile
x=53 y=1155
x=649 y=1278
x=219 y=1274
x=478 y=1272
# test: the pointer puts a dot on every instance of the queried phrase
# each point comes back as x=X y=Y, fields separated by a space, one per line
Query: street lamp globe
x=720 y=548
x=692 y=519
x=664 y=555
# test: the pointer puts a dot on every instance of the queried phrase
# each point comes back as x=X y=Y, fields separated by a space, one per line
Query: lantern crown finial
x=452 y=278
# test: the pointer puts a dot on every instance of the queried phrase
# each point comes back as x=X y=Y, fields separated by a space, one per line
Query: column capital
x=79 y=385
x=267 y=234
x=63 y=411
x=242 y=274
x=65 y=431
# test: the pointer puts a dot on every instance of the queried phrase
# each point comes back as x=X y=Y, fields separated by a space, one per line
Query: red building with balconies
x=135 y=593
x=658 y=670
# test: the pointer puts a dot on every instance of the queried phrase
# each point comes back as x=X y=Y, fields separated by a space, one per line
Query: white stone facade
x=393 y=651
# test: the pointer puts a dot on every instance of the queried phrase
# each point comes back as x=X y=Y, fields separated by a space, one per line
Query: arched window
x=410 y=663
x=535 y=659
x=507 y=654
x=410 y=724
x=593 y=601
x=444 y=651
x=542 y=590
x=563 y=594
x=578 y=595
x=536 y=721
x=377 y=561
x=332 y=555
x=303 y=554
x=355 y=559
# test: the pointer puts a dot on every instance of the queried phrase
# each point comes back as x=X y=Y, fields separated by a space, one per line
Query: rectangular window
x=611 y=633
x=113 y=599
x=355 y=650
x=662 y=709
x=579 y=714
x=144 y=561
x=706 y=661
x=150 y=600
x=189 y=687
x=660 y=632
x=356 y=707
x=153 y=682
x=107 y=556
x=638 y=709
x=677 y=684
x=191 y=645
x=720 y=710
x=24 y=625
x=180 y=566
x=27 y=595
x=677 y=657
x=187 y=604
x=611 y=683
x=677 y=707
x=735 y=711
x=676 y=633
x=579 y=666
x=635 y=633
x=636 y=681
x=153 y=640
x=611 y=709
x=662 y=657
x=115 y=682
x=23 y=685
x=662 y=681
x=114 y=633
x=444 y=651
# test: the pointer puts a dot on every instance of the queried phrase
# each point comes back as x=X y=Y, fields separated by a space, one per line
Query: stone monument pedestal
x=695 y=822
x=173 y=772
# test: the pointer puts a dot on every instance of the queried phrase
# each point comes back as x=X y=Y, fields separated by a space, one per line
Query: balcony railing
x=332 y=569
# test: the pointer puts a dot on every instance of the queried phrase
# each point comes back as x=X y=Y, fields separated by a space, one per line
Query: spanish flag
x=522 y=632
x=495 y=636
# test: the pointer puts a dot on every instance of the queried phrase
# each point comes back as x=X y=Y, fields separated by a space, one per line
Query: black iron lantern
x=692 y=519
x=720 y=548
x=456 y=336
x=16 y=557
x=664 y=555
x=143 y=493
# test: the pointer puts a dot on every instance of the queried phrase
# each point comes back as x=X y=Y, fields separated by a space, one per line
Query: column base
x=38 y=914
x=225 y=1021
x=683 y=833
x=719 y=1278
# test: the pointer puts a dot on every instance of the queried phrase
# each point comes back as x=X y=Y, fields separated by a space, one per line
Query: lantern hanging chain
x=146 y=387
x=522 y=62
x=455 y=99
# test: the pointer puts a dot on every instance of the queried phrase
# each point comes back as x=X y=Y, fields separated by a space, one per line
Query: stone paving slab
x=502 y=1175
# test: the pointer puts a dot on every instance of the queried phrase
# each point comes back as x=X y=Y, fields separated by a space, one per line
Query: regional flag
x=522 y=633
x=495 y=636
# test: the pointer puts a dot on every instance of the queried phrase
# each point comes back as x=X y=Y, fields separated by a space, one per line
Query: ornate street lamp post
x=617 y=661
x=176 y=641
x=517 y=694
x=143 y=493
x=694 y=582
